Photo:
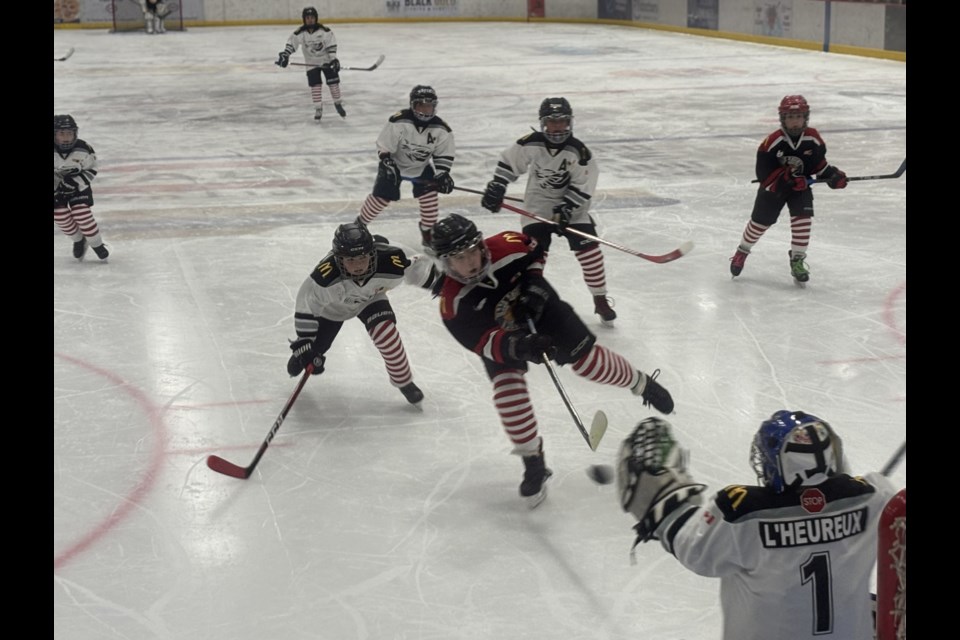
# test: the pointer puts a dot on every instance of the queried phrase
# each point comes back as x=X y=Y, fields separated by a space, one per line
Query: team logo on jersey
x=416 y=152
x=551 y=179
x=813 y=500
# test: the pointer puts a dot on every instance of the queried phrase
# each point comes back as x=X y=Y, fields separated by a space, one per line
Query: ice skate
x=318 y=114
x=533 y=489
x=798 y=269
x=736 y=262
x=412 y=393
x=653 y=393
x=601 y=307
x=340 y=109
x=101 y=252
x=80 y=248
x=426 y=239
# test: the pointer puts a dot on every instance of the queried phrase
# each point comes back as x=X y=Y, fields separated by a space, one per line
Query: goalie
x=794 y=554
x=154 y=13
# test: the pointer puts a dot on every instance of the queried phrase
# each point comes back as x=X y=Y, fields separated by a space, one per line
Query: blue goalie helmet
x=793 y=449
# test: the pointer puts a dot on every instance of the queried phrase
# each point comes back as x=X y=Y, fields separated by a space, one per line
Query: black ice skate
x=80 y=248
x=318 y=114
x=737 y=261
x=101 y=252
x=535 y=475
x=340 y=110
x=601 y=307
x=653 y=393
x=412 y=393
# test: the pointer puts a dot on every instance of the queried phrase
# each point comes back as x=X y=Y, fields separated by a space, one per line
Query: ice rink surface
x=367 y=519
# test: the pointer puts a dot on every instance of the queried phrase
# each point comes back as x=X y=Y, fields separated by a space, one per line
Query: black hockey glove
x=388 y=171
x=531 y=347
x=72 y=169
x=444 y=182
x=493 y=196
x=283 y=59
x=562 y=213
x=303 y=355
x=835 y=178
x=529 y=306
x=334 y=65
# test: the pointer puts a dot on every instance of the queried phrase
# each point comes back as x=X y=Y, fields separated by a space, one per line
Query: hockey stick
x=885 y=176
x=64 y=56
x=894 y=460
x=370 y=68
x=670 y=256
x=433 y=183
x=599 y=425
x=227 y=468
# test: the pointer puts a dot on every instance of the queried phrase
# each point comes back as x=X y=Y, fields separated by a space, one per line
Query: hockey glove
x=303 y=355
x=334 y=65
x=529 y=306
x=652 y=478
x=444 y=182
x=283 y=59
x=530 y=347
x=493 y=196
x=388 y=171
x=835 y=178
x=70 y=169
x=562 y=213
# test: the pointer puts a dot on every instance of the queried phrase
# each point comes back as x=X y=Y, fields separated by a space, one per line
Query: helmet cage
x=422 y=94
x=455 y=235
x=64 y=123
x=554 y=110
x=353 y=240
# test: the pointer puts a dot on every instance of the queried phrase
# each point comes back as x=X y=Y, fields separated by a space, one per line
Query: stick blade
x=676 y=254
x=227 y=468
x=597 y=429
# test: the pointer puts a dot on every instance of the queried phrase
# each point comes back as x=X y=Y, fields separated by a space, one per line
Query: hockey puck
x=601 y=473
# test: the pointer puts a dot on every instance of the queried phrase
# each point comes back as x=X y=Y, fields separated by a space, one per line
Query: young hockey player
x=320 y=49
x=562 y=178
x=154 y=14
x=406 y=145
x=490 y=291
x=794 y=554
x=352 y=281
x=785 y=160
x=74 y=168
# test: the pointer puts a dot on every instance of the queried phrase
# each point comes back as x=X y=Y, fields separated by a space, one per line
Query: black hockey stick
x=480 y=193
x=599 y=425
x=885 y=176
x=64 y=56
x=370 y=68
x=894 y=460
x=228 y=468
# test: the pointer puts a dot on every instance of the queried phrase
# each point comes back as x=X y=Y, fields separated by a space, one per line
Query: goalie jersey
x=792 y=566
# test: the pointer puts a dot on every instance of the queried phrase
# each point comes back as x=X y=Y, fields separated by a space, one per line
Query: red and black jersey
x=480 y=315
x=806 y=155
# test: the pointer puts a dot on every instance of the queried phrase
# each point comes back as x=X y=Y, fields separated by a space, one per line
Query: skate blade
x=536 y=499
x=607 y=323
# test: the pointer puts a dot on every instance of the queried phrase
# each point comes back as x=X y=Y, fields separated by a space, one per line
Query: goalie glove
x=652 y=478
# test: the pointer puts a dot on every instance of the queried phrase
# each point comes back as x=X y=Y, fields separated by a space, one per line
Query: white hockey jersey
x=329 y=294
x=569 y=172
x=412 y=143
x=77 y=167
x=792 y=566
x=319 y=45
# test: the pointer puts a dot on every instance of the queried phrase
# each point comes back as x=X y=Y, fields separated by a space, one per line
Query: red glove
x=783 y=177
x=835 y=178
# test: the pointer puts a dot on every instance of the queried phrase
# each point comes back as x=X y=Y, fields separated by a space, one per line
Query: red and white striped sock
x=512 y=401
x=387 y=340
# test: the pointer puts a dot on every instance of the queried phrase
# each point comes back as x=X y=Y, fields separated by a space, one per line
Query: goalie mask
x=556 y=120
x=351 y=243
x=794 y=449
x=423 y=102
x=64 y=132
x=454 y=240
x=791 y=105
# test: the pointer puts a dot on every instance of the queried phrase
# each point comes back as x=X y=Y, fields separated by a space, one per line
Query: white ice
x=366 y=519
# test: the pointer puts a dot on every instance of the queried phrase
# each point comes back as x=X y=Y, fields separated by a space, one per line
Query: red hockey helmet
x=794 y=104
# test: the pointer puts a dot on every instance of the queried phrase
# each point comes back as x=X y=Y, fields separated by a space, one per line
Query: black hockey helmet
x=310 y=11
x=454 y=235
x=422 y=94
x=353 y=240
x=64 y=123
x=556 y=110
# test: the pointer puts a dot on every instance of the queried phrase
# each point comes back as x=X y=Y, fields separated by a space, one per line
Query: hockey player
x=352 y=282
x=491 y=288
x=785 y=160
x=794 y=554
x=74 y=168
x=154 y=13
x=406 y=145
x=562 y=180
x=319 y=48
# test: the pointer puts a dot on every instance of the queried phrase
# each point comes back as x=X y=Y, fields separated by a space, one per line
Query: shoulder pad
x=738 y=500
x=327 y=272
x=324 y=27
x=534 y=137
x=391 y=260
x=83 y=145
x=437 y=121
x=404 y=114
x=580 y=149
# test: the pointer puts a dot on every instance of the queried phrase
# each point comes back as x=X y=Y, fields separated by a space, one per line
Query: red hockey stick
x=227 y=468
